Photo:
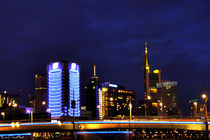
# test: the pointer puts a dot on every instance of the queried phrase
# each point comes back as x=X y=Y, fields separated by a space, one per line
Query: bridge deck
x=105 y=125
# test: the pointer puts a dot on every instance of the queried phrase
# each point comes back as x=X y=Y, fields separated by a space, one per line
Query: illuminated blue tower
x=74 y=89
x=63 y=88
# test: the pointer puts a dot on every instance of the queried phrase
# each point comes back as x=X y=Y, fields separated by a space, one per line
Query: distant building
x=8 y=100
x=140 y=108
x=167 y=92
x=64 y=89
x=41 y=96
x=91 y=94
x=114 y=101
x=85 y=114
x=31 y=99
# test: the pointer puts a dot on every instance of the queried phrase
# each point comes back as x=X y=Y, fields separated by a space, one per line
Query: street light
x=30 y=112
x=161 y=108
x=3 y=114
x=205 y=99
x=196 y=109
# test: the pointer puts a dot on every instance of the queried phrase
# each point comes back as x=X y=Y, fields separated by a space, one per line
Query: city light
x=204 y=96
x=15 y=105
x=59 y=123
x=113 y=85
x=17 y=124
x=13 y=125
x=100 y=98
x=156 y=71
x=43 y=103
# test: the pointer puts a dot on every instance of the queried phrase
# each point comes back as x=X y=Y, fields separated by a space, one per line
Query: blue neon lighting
x=74 y=89
x=67 y=122
x=25 y=124
x=138 y=122
x=55 y=89
x=113 y=85
x=5 y=125
x=17 y=134
x=105 y=132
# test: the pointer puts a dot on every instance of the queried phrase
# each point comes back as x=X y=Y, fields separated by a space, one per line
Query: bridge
x=100 y=125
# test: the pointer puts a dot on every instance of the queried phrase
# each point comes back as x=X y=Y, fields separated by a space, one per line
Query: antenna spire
x=145 y=47
x=204 y=86
x=94 y=70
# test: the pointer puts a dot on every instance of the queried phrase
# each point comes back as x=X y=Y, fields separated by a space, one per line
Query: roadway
x=184 y=124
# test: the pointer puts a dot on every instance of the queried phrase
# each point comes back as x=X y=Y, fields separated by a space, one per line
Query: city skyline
x=113 y=41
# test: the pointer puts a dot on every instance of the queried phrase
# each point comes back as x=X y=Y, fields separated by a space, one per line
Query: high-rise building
x=146 y=74
x=41 y=96
x=91 y=94
x=167 y=91
x=115 y=101
x=151 y=78
x=64 y=89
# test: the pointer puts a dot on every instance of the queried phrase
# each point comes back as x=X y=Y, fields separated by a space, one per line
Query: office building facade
x=64 y=89
x=114 y=100
x=41 y=96
x=167 y=91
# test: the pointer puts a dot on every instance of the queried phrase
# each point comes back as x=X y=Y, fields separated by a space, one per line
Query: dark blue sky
x=110 y=35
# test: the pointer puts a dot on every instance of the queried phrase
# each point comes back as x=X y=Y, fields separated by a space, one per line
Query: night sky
x=110 y=35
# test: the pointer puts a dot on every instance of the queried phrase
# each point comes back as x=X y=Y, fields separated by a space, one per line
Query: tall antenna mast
x=94 y=70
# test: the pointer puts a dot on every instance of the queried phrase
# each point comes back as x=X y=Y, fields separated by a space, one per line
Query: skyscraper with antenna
x=91 y=94
x=146 y=74
x=151 y=78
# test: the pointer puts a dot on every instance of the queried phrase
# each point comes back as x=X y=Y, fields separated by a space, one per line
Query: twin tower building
x=64 y=89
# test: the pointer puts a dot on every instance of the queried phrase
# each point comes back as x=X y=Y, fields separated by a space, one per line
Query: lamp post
x=196 y=108
x=161 y=108
x=3 y=114
x=30 y=112
x=205 y=99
